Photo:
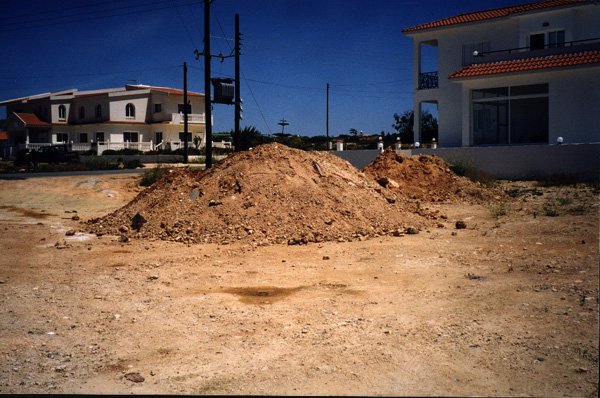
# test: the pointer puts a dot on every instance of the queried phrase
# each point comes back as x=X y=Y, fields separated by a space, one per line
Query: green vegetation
x=124 y=151
x=498 y=211
x=466 y=168
x=561 y=205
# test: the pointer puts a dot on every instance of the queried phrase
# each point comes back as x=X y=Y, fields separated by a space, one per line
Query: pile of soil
x=425 y=177
x=270 y=194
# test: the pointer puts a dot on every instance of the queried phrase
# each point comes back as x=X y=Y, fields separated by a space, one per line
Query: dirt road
x=507 y=306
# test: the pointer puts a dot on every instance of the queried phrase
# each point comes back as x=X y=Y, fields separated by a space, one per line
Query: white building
x=525 y=74
x=134 y=116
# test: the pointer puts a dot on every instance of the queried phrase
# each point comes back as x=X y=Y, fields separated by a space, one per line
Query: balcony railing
x=548 y=49
x=428 y=80
x=177 y=118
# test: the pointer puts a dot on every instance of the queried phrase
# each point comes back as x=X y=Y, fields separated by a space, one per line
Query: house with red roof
x=134 y=116
x=524 y=74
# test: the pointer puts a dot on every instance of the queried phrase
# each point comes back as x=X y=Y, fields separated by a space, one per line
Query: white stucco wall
x=119 y=101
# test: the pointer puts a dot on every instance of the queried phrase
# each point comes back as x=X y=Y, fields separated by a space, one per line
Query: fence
x=116 y=146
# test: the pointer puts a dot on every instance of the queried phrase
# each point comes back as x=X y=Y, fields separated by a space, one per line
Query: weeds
x=467 y=168
x=498 y=211
x=151 y=176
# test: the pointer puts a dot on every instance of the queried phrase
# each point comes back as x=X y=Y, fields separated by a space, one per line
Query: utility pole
x=237 y=116
x=185 y=115
x=207 y=104
x=327 y=113
x=283 y=123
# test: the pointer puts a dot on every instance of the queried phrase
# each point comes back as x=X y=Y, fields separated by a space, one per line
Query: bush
x=151 y=176
x=466 y=168
x=124 y=151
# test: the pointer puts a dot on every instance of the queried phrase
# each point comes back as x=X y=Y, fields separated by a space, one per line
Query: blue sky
x=291 y=49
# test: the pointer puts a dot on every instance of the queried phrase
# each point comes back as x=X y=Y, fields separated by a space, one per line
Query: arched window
x=82 y=112
x=130 y=110
x=98 y=111
x=62 y=112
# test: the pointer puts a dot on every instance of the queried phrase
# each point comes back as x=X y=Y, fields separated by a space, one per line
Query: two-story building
x=135 y=116
x=525 y=74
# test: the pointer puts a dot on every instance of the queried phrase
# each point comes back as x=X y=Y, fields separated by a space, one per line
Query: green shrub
x=467 y=168
x=499 y=211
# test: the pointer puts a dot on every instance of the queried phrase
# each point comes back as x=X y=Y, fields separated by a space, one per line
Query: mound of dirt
x=425 y=177
x=271 y=194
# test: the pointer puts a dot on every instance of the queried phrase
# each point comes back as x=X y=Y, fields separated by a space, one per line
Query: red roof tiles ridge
x=494 y=13
x=528 y=64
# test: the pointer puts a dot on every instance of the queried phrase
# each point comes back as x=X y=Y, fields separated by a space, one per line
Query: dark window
x=62 y=112
x=536 y=42
x=529 y=89
x=99 y=136
x=490 y=93
x=98 y=111
x=180 y=108
x=62 y=137
x=82 y=112
x=521 y=118
x=182 y=135
x=157 y=108
x=158 y=137
x=556 y=39
x=83 y=137
x=130 y=110
x=130 y=137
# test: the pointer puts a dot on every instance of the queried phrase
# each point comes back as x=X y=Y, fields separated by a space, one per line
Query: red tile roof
x=529 y=64
x=31 y=120
x=3 y=135
x=166 y=90
x=494 y=13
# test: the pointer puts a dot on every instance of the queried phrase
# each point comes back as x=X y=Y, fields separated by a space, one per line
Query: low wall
x=579 y=161
x=141 y=158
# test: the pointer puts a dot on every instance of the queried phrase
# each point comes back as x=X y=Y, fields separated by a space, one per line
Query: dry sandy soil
x=507 y=306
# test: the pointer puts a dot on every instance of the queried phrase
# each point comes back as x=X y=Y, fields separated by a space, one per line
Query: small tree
x=353 y=131
x=197 y=141
x=404 y=125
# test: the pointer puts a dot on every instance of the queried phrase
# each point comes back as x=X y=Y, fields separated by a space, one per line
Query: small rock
x=123 y=229
x=460 y=224
x=137 y=221
x=453 y=233
x=75 y=218
x=135 y=377
x=153 y=277
x=398 y=232
x=581 y=370
x=325 y=257
x=541 y=359
x=70 y=232
x=213 y=202
x=123 y=239
x=412 y=231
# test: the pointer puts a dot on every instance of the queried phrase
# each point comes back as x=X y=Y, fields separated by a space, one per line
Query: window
x=157 y=108
x=130 y=110
x=158 y=137
x=182 y=135
x=82 y=113
x=510 y=115
x=62 y=112
x=62 y=137
x=99 y=136
x=98 y=111
x=130 y=136
x=83 y=137
x=556 y=39
x=180 y=108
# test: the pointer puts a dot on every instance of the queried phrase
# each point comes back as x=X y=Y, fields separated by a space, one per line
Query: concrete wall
x=580 y=161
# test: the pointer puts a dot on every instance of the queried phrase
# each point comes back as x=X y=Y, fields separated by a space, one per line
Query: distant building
x=134 y=116
x=525 y=74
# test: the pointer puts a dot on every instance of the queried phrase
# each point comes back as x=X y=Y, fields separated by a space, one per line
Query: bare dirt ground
x=507 y=306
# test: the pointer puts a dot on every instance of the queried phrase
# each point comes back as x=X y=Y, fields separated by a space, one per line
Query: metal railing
x=428 y=80
x=177 y=118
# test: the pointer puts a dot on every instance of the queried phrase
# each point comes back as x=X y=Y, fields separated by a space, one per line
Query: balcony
x=194 y=118
x=511 y=54
x=428 y=80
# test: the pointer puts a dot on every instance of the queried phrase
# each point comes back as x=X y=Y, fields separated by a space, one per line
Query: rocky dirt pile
x=425 y=177
x=271 y=194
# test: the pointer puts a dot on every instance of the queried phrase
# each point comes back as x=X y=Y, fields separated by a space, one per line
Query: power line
x=26 y=26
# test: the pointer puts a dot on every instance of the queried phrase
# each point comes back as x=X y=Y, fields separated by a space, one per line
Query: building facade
x=134 y=116
x=525 y=74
